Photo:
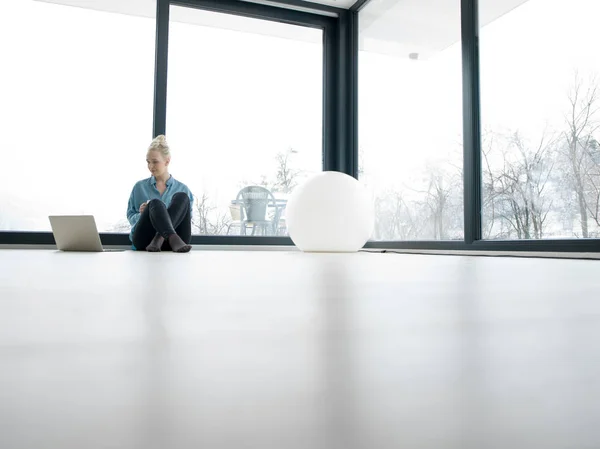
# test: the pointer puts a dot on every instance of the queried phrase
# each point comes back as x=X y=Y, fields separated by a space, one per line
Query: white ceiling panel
x=147 y=7
x=394 y=27
x=419 y=27
x=144 y=8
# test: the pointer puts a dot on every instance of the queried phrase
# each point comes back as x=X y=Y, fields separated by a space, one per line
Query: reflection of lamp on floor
x=330 y=212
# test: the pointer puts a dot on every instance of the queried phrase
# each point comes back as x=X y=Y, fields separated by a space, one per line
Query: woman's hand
x=143 y=206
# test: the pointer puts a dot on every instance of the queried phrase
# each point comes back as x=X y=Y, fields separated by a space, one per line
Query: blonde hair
x=160 y=144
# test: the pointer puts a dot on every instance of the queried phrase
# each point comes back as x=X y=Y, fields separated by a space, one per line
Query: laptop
x=76 y=233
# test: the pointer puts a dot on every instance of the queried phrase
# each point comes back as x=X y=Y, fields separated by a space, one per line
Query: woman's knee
x=155 y=202
x=181 y=197
x=156 y=205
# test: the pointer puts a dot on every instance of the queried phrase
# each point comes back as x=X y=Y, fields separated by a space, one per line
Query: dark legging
x=166 y=221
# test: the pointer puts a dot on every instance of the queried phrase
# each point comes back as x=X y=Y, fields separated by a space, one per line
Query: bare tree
x=488 y=187
x=592 y=178
x=395 y=219
x=263 y=181
x=208 y=220
x=517 y=191
x=440 y=207
x=435 y=202
x=286 y=177
x=202 y=210
x=220 y=223
x=580 y=149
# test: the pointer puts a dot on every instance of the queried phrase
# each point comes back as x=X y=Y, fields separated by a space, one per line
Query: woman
x=160 y=207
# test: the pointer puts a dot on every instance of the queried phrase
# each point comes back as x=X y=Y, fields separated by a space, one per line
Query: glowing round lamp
x=330 y=212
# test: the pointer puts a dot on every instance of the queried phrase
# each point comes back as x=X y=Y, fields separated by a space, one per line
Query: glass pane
x=540 y=116
x=244 y=109
x=76 y=112
x=410 y=118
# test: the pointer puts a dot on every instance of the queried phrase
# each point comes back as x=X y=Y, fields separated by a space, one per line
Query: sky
x=77 y=92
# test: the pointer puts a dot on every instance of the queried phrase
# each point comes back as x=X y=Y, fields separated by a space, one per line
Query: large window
x=410 y=118
x=244 y=108
x=76 y=112
x=540 y=96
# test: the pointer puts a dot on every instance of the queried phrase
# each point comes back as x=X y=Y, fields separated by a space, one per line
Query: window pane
x=244 y=108
x=410 y=118
x=540 y=116
x=76 y=112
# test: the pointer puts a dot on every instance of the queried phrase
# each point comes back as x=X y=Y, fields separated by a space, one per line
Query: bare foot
x=178 y=245
x=155 y=244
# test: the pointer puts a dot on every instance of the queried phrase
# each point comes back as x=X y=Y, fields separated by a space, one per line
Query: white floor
x=234 y=349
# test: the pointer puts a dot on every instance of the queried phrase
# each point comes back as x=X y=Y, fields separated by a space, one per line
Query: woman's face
x=157 y=163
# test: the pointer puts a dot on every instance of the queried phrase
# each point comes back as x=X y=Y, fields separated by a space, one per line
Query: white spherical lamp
x=330 y=212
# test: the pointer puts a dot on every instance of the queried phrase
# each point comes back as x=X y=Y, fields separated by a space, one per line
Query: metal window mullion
x=471 y=120
x=160 y=67
x=340 y=143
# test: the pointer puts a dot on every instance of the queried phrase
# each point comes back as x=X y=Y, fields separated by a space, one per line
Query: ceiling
x=394 y=27
x=148 y=7
x=421 y=27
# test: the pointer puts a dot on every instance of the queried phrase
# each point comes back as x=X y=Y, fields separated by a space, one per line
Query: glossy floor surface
x=285 y=350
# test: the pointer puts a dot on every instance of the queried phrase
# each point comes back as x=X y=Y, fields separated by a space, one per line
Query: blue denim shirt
x=145 y=190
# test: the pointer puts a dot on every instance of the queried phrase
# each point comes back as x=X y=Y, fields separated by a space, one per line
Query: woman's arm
x=133 y=214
